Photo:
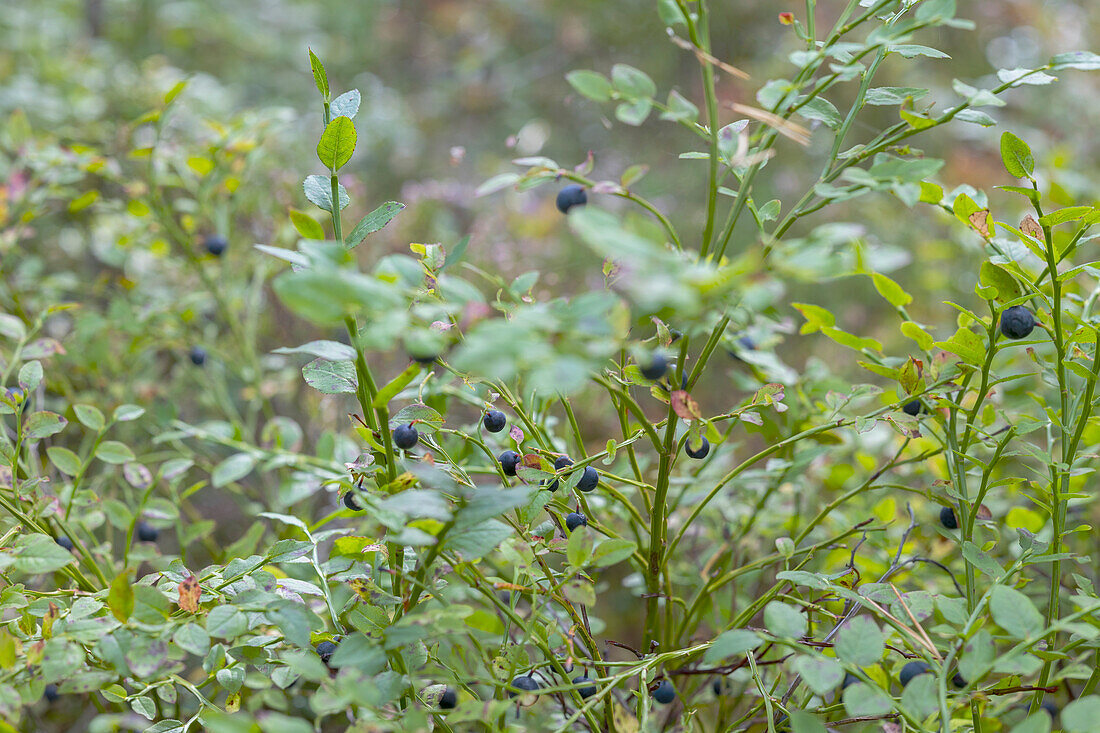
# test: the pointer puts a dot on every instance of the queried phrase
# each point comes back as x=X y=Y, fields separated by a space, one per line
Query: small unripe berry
x=697 y=453
x=1017 y=322
x=570 y=196
x=665 y=692
x=509 y=459
x=574 y=520
x=494 y=421
x=405 y=437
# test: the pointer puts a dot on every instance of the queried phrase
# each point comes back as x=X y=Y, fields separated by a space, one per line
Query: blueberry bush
x=258 y=472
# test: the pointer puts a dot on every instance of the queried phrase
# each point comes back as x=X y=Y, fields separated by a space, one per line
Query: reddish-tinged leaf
x=685 y=406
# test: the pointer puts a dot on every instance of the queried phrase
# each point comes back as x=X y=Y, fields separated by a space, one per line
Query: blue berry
x=656 y=368
x=1017 y=322
x=405 y=437
x=697 y=453
x=448 y=699
x=65 y=542
x=525 y=683
x=494 y=421
x=911 y=670
x=589 y=479
x=216 y=244
x=948 y=518
x=574 y=520
x=147 y=532
x=562 y=462
x=197 y=355
x=849 y=680
x=509 y=459
x=325 y=650
x=912 y=408
x=665 y=692
x=588 y=690
x=351 y=503
x=50 y=693
x=570 y=196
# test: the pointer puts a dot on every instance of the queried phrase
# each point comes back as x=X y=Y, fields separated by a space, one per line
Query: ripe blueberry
x=656 y=368
x=849 y=679
x=911 y=670
x=698 y=453
x=509 y=459
x=50 y=693
x=588 y=480
x=197 y=354
x=1017 y=322
x=65 y=542
x=525 y=683
x=216 y=244
x=448 y=699
x=574 y=520
x=948 y=519
x=351 y=503
x=665 y=692
x=588 y=690
x=494 y=421
x=147 y=532
x=719 y=686
x=1051 y=708
x=405 y=437
x=325 y=651
x=570 y=196
x=958 y=681
x=562 y=462
x=912 y=408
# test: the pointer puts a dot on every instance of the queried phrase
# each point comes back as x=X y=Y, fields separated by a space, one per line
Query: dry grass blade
x=703 y=56
x=920 y=629
x=784 y=127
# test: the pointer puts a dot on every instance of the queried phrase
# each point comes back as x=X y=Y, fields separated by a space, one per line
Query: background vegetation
x=134 y=131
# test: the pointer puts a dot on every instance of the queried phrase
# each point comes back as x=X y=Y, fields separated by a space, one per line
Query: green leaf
x=680 y=108
x=306 y=225
x=784 y=620
x=30 y=375
x=822 y=110
x=392 y=388
x=1016 y=156
x=803 y=722
x=634 y=113
x=1036 y=723
x=484 y=621
x=966 y=345
x=860 y=642
x=1061 y=216
x=850 y=340
x=320 y=78
x=920 y=695
x=590 y=84
x=894 y=294
x=632 y=83
x=192 y=638
x=120 y=597
x=918 y=334
x=225 y=622
x=998 y=278
x=337 y=143
x=889 y=96
x=325 y=297
x=43 y=424
x=932 y=11
x=90 y=417
x=977 y=656
x=331 y=377
x=37 y=553
x=233 y=468
x=330 y=350
x=64 y=459
x=982 y=561
x=1015 y=613
x=127 y=413
x=112 y=451
x=1083 y=60
x=372 y=222
x=821 y=674
x=346 y=105
x=1081 y=715
x=318 y=189
x=612 y=550
x=579 y=547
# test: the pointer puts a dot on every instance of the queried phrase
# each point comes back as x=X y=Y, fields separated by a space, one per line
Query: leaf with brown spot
x=984 y=513
x=684 y=405
x=189 y=594
x=47 y=621
x=516 y=433
x=1031 y=227
x=982 y=222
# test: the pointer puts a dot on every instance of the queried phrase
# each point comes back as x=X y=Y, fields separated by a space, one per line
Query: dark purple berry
x=509 y=459
x=562 y=462
x=351 y=503
x=911 y=670
x=589 y=479
x=525 y=683
x=65 y=542
x=405 y=437
x=1017 y=322
x=948 y=518
x=216 y=244
x=197 y=354
x=912 y=408
x=50 y=693
x=325 y=650
x=448 y=699
x=656 y=368
x=665 y=692
x=587 y=690
x=147 y=532
x=697 y=453
x=570 y=196
x=574 y=520
x=494 y=421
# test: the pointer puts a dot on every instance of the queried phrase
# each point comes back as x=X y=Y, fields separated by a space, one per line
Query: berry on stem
x=325 y=650
x=912 y=408
x=574 y=520
x=405 y=437
x=50 y=693
x=65 y=542
x=351 y=503
x=948 y=518
x=912 y=670
x=449 y=699
x=589 y=479
x=509 y=459
x=587 y=690
x=1017 y=322
x=665 y=692
x=494 y=421
x=849 y=680
x=197 y=355
x=561 y=462
x=697 y=453
x=525 y=683
x=570 y=196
